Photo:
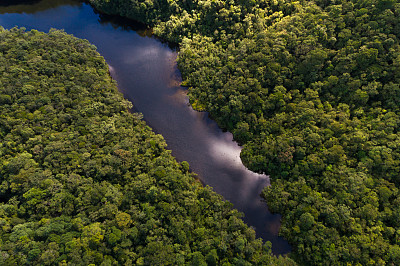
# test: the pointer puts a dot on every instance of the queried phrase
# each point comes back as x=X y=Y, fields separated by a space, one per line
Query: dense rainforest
x=85 y=182
x=311 y=89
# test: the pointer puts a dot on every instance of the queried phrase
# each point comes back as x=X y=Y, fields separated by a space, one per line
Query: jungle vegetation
x=311 y=89
x=83 y=181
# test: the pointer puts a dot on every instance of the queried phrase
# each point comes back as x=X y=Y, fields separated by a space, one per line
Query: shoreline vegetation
x=311 y=89
x=86 y=182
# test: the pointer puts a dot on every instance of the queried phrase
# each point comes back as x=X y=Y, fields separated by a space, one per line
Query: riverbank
x=306 y=87
x=86 y=182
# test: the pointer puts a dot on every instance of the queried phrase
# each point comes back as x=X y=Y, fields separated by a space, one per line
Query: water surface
x=146 y=72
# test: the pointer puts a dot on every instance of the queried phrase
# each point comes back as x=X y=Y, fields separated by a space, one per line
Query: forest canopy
x=312 y=91
x=85 y=182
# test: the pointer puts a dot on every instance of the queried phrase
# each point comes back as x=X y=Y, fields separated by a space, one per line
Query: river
x=146 y=71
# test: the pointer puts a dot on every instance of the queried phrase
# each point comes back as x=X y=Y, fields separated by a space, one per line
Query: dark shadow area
x=33 y=6
x=125 y=24
x=120 y=23
x=18 y=2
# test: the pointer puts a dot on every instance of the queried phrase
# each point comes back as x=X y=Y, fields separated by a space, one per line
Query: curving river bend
x=146 y=72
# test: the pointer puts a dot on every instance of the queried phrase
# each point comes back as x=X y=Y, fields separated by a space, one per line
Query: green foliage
x=85 y=182
x=311 y=90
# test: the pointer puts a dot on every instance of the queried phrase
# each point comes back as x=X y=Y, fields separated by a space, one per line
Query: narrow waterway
x=146 y=72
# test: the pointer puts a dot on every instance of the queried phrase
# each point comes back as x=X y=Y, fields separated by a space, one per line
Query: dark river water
x=146 y=72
